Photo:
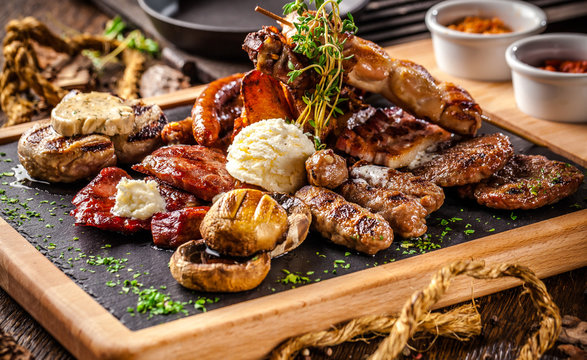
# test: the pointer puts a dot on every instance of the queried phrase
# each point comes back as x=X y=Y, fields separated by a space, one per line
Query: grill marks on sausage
x=346 y=223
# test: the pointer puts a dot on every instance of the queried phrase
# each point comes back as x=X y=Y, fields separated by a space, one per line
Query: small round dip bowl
x=480 y=56
x=549 y=95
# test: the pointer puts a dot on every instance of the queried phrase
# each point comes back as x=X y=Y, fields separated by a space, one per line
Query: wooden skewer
x=273 y=16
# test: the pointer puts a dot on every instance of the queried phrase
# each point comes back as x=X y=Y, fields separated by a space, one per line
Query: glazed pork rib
x=370 y=68
x=345 y=223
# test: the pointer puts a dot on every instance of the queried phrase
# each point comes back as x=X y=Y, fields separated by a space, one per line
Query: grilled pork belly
x=430 y=195
x=404 y=213
x=468 y=162
x=526 y=182
x=47 y=155
x=390 y=137
x=145 y=136
x=345 y=223
x=326 y=169
x=193 y=168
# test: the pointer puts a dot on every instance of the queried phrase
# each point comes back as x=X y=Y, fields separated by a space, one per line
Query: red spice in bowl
x=567 y=66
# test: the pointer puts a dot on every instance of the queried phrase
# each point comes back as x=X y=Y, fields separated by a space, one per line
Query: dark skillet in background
x=217 y=28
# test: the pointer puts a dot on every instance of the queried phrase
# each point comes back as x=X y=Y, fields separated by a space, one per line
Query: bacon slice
x=174 y=228
x=94 y=202
x=193 y=168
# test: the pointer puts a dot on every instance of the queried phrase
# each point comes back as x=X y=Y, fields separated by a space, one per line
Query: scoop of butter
x=91 y=113
x=137 y=199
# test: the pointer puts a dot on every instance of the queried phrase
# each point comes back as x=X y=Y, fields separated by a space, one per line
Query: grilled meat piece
x=368 y=67
x=193 y=168
x=345 y=223
x=178 y=132
x=93 y=204
x=174 y=228
x=326 y=169
x=46 y=155
x=149 y=121
x=430 y=195
x=527 y=182
x=468 y=162
x=95 y=201
x=404 y=213
x=390 y=137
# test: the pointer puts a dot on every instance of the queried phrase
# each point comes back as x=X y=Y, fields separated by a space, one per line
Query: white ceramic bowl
x=479 y=56
x=549 y=95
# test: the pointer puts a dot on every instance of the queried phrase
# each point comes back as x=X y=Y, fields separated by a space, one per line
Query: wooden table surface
x=507 y=316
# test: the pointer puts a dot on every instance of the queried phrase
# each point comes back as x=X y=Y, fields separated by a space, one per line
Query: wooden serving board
x=250 y=329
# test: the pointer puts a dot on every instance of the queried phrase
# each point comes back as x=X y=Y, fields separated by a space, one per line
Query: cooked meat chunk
x=174 y=228
x=390 y=137
x=326 y=169
x=345 y=223
x=430 y=195
x=95 y=201
x=193 y=168
x=467 y=162
x=528 y=182
x=46 y=155
x=404 y=213
x=145 y=136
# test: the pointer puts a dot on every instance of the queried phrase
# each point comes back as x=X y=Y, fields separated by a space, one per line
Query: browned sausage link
x=178 y=132
x=206 y=125
x=346 y=223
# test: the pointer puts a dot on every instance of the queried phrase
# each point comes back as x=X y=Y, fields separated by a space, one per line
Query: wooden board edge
x=42 y=289
x=165 y=101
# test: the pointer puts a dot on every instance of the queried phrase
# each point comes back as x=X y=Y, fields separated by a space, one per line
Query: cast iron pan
x=217 y=28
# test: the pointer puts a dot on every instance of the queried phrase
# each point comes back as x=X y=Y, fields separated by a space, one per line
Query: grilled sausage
x=404 y=213
x=345 y=223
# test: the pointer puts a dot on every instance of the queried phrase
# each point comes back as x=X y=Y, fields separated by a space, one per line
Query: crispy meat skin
x=145 y=136
x=371 y=69
x=345 y=223
x=193 y=168
x=94 y=202
x=528 y=182
x=47 y=155
x=404 y=213
x=468 y=162
x=216 y=109
x=174 y=228
x=430 y=195
x=390 y=137
x=326 y=169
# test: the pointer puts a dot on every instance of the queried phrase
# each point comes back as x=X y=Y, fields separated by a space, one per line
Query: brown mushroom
x=243 y=222
x=299 y=218
x=197 y=269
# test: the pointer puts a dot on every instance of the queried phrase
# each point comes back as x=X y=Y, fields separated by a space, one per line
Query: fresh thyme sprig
x=319 y=37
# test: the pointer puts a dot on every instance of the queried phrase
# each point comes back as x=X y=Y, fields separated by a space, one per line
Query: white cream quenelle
x=92 y=113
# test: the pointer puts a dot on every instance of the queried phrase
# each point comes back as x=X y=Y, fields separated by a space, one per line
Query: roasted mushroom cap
x=194 y=268
x=299 y=218
x=243 y=222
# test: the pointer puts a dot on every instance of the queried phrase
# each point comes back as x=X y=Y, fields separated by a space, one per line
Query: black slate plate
x=217 y=28
x=39 y=211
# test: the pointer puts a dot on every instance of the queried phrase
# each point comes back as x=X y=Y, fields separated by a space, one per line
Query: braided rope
x=460 y=323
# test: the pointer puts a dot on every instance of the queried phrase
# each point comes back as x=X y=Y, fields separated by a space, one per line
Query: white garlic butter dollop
x=138 y=199
x=89 y=113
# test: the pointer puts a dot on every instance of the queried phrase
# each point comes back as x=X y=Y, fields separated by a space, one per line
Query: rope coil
x=461 y=323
